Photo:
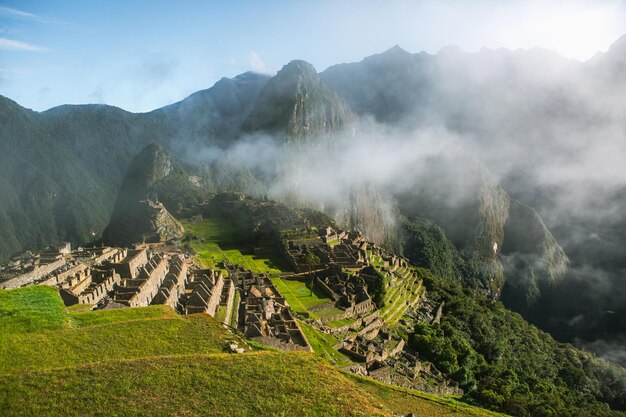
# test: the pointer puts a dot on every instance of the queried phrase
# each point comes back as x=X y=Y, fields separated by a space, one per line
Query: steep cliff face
x=297 y=104
x=365 y=209
x=531 y=256
x=138 y=215
x=489 y=232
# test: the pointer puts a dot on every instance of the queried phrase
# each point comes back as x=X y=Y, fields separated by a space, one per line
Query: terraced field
x=216 y=239
x=311 y=303
x=404 y=292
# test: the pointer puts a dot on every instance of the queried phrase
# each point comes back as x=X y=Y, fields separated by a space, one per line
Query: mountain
x=214 y=114
x=154 y=182
x=296 y=103
x=61 y=170
x=396 y=80
x=475 y=214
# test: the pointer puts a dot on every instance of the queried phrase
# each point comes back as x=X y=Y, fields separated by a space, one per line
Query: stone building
x=204 y=292
x=269 y=320
x=140 y=290
x=173 y=285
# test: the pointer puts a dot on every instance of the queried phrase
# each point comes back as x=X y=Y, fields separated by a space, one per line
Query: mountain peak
x=298 y=103
x=396 y=50
x=298 y=65
x=138 y=215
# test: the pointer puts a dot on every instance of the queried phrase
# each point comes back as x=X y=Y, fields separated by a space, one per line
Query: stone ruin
x=349 y=292
x=269 y=320
x=121 y=277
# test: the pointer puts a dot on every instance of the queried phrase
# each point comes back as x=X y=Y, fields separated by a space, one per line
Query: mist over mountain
x=508 y=163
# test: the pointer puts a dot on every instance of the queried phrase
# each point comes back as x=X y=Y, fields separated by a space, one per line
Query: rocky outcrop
x=138 y=215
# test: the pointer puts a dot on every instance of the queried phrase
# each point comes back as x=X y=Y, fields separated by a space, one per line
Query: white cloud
x=257 y=64
x=13 y=45
x=18 y=13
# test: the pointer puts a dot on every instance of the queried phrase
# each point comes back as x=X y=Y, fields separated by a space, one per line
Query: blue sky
x=141 y=55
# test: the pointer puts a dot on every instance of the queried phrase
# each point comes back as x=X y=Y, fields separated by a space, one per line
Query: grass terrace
x=216 y=239
x=405 y=293
x=341 y=322
x=301 y=299
x=323 y=344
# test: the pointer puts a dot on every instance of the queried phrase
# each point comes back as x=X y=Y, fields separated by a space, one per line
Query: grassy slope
x=31 y=309
x=51 y=336
x=148 y=361
x=261 y=383
x=406 y=401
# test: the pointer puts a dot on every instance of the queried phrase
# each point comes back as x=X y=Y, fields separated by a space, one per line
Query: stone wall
x=173 y=286
x=140 y=291
x=280 y=345
x=129 y=266
x=36 y=274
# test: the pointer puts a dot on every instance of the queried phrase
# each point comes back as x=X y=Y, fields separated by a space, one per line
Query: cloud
x=20 y=14
x=8 y=11
x=13 y=45
x=257 y=64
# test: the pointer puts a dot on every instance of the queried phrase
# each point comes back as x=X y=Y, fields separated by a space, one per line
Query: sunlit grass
x=253 y=384
x=219 y=240
x=31 y=309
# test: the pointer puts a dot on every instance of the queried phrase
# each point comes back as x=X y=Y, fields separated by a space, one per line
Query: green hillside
x=59 y=361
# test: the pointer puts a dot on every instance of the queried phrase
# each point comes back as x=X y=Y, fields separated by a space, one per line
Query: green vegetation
x=69 y=337
x=298 y=293
x=120 y=340
x=220 y=315
x=428 y=247
x=404 y=400
x=300 y=288
x=506 y=364
x=341 y=322
x=94 y=318
x=404 y=294
x=216 y=239
x=232 y=320
x=261 y=383
x=323 y=344
x=31 y=309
